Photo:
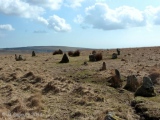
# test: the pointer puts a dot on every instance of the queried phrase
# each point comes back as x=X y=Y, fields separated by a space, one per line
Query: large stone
x=92 y=58
x=147 y=82
x=103 y=66
x=64 y=59
x=114 y=56
x=58 y=52
x=116 y=81
x=118 y=51
x=19 y=58
x=132 y=83
x=33 y=54
x=146 y=89
x=95 y=57
x=117 y=73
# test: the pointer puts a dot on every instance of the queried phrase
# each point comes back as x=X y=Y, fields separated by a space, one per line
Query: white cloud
x=42 y=20
x=79 y=19
x=52 y=4
x=100 y=16
x=74 y=3
x=20 y=8
x=153 y=14
x=29 y=9
x=58 y=24
x=7 y=27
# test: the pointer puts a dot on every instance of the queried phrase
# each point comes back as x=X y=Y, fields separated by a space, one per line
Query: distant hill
x=44 y=49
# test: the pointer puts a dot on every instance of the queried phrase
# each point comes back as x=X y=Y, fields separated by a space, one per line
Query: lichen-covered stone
x=132 y=83
x=146 y=89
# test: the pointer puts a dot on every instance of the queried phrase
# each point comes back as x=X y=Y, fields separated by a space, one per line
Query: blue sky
x=80 y=23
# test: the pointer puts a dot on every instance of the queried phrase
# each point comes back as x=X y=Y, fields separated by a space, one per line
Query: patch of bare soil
x=41 y=88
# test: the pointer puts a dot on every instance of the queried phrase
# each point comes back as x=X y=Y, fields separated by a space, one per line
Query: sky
x=80 y=23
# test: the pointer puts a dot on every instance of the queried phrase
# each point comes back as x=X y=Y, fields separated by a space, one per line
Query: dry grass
x=74 y=91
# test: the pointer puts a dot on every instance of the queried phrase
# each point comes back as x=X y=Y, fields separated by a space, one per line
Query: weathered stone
x=33 y=54
x=92 y=58
x=64 y=59
x=117 y=73
x=146 y=89
x=103 y=66
x=95 y=57
x=147 y=83
x=118 y=51
x=58 y=52
x=116 y=81
x=114 y=56
x=98 y=56
x=19 y=58
x=132 y=83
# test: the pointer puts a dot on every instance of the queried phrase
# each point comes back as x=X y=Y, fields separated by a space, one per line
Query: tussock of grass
x=76 y=114
x=34 y=101
x=50 y=87
x=29 y=74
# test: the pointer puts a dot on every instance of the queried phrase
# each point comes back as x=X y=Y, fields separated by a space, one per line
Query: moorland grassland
x=41 y=88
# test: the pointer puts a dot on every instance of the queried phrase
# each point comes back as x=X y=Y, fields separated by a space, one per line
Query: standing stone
x=92 y=58
x=60 y=51
x=20 y=57
x=117 y=73
x=116 y=81
x=64 y=59
x=132 y=83
x=114 y=56
x=103 y=66
x=147 y=82
x=118 y=51
x=146 y=89
x=33 y=54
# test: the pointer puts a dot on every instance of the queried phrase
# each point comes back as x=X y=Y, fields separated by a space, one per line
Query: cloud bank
x=29 y=9
x=101 y=16
x=51 y=4
x=6 y=27
x=20 y=8
x=74 y=3
x=98 y=16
